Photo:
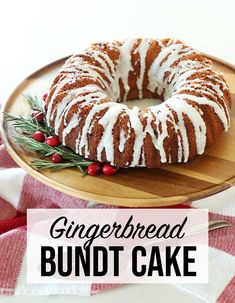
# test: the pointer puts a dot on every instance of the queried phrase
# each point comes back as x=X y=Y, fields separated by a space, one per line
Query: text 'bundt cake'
x=85 y=109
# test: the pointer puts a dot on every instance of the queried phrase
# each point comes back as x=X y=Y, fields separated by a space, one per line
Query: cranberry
x=39 y=136
x=94 y=168
x=44 y=97
x=38 y=115
x=53 y=141
x=56 y=158
x=109 y=170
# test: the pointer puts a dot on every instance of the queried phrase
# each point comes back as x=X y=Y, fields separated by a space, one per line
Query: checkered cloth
x=19 y=191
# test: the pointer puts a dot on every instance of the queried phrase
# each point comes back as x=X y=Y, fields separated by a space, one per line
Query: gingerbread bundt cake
x=85 y=109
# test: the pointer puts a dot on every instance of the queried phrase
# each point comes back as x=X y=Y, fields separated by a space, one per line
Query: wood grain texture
x=134 y=187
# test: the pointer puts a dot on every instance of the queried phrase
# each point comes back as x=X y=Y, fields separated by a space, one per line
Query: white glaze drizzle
x=122 y=140
x=173 y=86
x=74 y=122
x=125 y=65
x=142 y=49
x=159 y=68
x=107 y=63
x=108 y=121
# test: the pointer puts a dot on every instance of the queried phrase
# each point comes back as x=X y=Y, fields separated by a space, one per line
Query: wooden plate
x=134 y=187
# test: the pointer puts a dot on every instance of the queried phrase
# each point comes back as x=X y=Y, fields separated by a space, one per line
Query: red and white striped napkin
x=19 y=191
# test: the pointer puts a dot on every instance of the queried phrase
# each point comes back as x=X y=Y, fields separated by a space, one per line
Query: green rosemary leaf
x=44 y=164
x=28 y=126
x=45 y=150
x=34 y=102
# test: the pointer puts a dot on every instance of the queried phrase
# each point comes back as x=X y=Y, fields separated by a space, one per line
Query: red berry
x=56 y=158
x=38 y=115
x=94 y=168
x=53 y=141
x=44 y=97
x=109 y=170
x=39 y=136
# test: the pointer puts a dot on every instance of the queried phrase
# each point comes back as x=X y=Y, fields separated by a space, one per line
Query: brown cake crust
x=85 y=103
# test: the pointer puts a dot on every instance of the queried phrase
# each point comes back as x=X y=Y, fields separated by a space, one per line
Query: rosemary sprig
x=29 y=125
x=29 y=144
x=40 y=164
x=34 y=103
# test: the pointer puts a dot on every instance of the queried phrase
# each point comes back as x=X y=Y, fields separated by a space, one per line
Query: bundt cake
x=85 y=109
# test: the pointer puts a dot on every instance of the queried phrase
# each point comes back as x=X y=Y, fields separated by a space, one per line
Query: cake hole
x=142 y=103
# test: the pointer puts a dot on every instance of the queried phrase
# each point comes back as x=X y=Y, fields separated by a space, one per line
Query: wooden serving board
x=134 y=187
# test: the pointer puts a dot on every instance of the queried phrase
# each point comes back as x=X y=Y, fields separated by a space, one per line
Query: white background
x=35 y=32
